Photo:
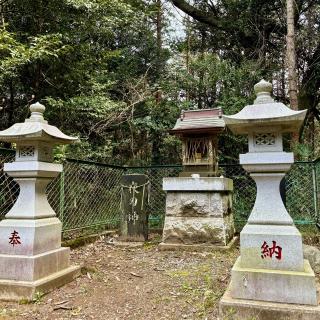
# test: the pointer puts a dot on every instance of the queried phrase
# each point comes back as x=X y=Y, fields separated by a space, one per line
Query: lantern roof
x=265 y=112
x=35 y=128
x=199 y=121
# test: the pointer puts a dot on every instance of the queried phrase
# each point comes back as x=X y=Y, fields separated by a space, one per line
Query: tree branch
x=197 y=14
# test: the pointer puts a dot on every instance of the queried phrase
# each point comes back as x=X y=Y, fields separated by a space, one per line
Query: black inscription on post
x=134 y=201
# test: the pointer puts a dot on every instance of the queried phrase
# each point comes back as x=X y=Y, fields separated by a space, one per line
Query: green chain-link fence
x=87 y=194
x=9 y=189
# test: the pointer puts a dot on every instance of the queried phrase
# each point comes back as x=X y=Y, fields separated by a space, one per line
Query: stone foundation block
x=192 y=204
x=31 y=268
x=239 y=309
x=198 y=211
x=11 y=290
x=274 y=285
x=201 y=247
x=192 y=230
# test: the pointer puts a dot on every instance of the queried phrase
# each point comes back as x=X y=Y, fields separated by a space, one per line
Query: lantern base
x=274 y=285
x=32 y=268
x=241 y=309
x=11 y=290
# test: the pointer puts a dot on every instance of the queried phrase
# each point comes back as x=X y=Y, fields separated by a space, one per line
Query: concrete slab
x=11 y=290
x=193 y=184
x=128 y=244
x=240 y=309
x=197 y=247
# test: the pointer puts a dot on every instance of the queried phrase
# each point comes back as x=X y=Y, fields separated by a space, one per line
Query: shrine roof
x=35 y=128
x=197 y=121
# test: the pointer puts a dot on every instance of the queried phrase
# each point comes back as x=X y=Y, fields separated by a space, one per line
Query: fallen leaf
x=136 y=275
x=63 y=307
x=61 y=302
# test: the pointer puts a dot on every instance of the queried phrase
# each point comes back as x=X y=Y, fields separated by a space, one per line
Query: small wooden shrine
x=198 y=131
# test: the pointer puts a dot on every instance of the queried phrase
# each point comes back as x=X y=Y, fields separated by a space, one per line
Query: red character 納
x=267 y=251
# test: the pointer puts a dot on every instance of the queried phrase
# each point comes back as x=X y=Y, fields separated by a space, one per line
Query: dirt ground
x=134 y=283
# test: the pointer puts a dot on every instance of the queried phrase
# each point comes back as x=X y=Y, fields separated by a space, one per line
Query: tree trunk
x=159 y=24
x=188 y=31
x=291 y=56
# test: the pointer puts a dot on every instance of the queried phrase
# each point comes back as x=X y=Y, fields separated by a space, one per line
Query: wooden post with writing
x=134 y=201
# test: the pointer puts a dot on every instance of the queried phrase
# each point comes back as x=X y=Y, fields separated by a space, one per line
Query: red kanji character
x=265 y=250
x=15 y=238
x=275 y=250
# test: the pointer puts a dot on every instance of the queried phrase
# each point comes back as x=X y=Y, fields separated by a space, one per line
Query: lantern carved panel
x=265 y=139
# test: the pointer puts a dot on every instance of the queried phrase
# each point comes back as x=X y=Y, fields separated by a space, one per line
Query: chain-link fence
x=9 y=190
x=87 y=195
x=316 y=189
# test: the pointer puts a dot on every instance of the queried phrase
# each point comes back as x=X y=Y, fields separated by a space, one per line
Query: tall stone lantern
x=31 y=257
x=271 y=267
x=198 y=202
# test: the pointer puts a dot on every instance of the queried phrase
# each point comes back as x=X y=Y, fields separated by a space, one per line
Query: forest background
x=115 y=74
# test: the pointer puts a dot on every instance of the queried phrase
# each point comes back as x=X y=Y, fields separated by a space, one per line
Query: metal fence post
x=61 y=199
x=316 y=197
x=314 y=182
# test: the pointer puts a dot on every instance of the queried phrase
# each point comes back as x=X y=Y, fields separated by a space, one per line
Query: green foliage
x=109 y=73
x=92 y=62
x=303 y=151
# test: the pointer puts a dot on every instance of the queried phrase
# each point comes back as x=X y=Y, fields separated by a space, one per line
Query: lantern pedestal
x=259 y=284
x=270 y=244
x=198 y=211
x=271 y=268
x=31 y=257
x=15 y=290
x=239 y=309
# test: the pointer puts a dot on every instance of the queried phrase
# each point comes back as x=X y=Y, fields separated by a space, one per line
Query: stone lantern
x=271 y=267
x=198 y=131
x=31 y=257
x=198 y=203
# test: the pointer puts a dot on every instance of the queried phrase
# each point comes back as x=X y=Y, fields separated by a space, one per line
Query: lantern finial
x=263 y=90
x=37 y=109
